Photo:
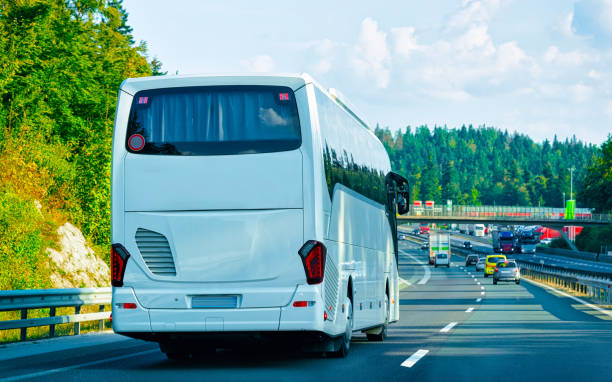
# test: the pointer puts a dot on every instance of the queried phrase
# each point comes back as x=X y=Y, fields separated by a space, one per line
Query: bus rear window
x=213 y=120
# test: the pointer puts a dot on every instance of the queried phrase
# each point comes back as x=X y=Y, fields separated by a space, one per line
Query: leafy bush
x=592 y=238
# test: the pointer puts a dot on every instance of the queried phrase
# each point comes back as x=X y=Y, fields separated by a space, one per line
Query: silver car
x=480 y=265
x=507 y=271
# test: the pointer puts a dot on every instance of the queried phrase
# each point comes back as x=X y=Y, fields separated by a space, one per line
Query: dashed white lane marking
x=478 y=282
x=479 y=299
x=482 y=293
x=473 y=276
x=72 y=367
x=481 y=287
x=409 y=362
x=604 y=311
x=448 y=327
x=469 y=310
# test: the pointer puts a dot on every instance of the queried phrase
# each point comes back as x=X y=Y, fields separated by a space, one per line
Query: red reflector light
x=313 y=254
x=496 y=270
x=129 y=305
x=325 y=316
x=300 y=304
x=119 y=258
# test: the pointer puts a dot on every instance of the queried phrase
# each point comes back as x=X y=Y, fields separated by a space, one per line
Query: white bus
x=250 y=206
x=479 y=230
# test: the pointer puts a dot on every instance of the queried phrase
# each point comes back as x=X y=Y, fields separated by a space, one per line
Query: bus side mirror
x=402 y=194
x=403 y=206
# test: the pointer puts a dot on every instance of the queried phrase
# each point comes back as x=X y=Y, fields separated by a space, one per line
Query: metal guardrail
x=598 y=289
x=23 y=300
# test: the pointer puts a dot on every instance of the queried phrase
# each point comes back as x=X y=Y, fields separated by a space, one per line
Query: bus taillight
x=119 y=258
x=313 y=254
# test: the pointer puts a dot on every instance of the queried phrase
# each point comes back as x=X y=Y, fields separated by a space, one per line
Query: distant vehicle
x=439 y=242
x=217 y=215
x=527 y=239
x=547 y=235
x=480 y=265
x=425 y=245
x=423 y=229
x=503 y=241
x=463 y=228
x=471 y=260
x=479 y=230
x=443 y=259
x=507 y=271
x=491 y=262
x=415 y=231
x=467 y=245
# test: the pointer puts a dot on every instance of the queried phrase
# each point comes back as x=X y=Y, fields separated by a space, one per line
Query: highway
x=482 y=244
x=455 y=326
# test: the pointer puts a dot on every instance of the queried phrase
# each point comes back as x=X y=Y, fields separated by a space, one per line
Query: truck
x=527 y=239
x=504 y=241
x=439 y=243
x=424 y=228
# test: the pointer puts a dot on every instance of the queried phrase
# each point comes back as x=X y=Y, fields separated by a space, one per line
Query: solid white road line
x=72 y=367
x=479 y=299
x=427 y=276
x=409 y=362
x=604 y=311
x=448 y=327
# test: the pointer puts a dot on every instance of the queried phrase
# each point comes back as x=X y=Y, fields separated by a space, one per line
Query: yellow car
x=491 y=263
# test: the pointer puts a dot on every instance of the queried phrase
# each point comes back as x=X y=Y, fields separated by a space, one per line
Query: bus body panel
x=224 y=182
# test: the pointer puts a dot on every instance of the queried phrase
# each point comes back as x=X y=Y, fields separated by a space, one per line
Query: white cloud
x=573 y=58
x=263 y=63
x=476 y=38
x=473 y=13
x=510 y=56
x=405 y=41
x=371 y=53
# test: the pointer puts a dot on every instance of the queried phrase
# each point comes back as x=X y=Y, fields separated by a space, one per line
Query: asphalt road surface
x=455 y=326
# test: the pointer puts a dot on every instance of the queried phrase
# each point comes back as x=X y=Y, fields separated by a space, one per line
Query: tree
x=450 y=184
x=430 y=185
x=597 y=191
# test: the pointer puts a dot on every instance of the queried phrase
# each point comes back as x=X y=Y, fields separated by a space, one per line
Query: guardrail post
x=52 y=326
x=101 y=322
x=24 y=331
x=77 y=325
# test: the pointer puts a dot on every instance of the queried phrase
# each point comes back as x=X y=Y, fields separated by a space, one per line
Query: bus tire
x=345 y=339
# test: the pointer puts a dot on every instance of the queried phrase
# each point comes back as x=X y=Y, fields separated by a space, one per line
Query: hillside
x=486 y=165
x=61 y=64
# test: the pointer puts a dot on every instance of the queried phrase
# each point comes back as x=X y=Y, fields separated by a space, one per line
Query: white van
x=257 y=206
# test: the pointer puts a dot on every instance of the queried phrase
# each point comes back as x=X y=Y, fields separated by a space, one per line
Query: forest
x=61 y=65
x=488 y=166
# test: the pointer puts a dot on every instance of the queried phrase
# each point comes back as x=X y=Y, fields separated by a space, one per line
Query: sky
x=541 y=68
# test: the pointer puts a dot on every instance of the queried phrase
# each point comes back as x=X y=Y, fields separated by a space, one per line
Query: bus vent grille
x=331 y=288
x=155 y=252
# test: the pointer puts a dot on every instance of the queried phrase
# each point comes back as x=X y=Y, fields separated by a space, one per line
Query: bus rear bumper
x=136 y=319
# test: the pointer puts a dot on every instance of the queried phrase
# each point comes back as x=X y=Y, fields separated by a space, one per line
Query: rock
x=76 y=264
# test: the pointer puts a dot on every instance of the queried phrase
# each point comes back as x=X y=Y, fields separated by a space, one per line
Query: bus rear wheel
x=345 y=339
x=379 y=334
